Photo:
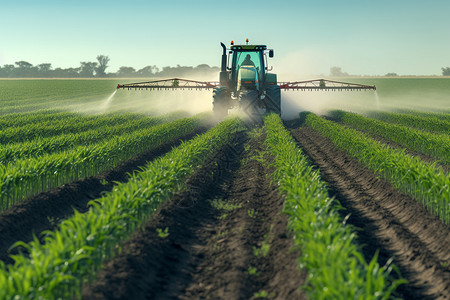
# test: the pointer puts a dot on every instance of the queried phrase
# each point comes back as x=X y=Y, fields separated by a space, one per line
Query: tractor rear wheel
x=273 y=99
x=221 y=101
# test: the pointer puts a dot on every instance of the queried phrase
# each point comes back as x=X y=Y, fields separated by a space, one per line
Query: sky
x=407 y=37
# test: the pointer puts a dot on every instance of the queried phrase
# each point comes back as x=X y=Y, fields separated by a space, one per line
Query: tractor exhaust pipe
x=224 y=58
x=223 y=77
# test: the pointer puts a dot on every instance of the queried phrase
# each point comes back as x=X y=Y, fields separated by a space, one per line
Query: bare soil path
x=226 y=239
x=45 y=210
x=390 y=220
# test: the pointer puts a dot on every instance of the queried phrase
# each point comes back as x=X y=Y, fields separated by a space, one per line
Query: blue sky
x=309 y=37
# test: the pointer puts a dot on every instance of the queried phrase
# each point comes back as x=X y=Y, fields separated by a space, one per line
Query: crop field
x=140 y=195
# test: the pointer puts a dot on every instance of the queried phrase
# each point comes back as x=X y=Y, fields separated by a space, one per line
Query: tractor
x=247 y=83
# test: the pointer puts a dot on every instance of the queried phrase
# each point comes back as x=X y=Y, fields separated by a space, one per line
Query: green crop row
x=21 y=119
x=444 y=115
x=432 y=124
x=64 y=126
x=72 y=255
x=435 y=145
x=40 y=146
x=336 y=267
x=424 y=182
x=27 y=177
x=42 y=91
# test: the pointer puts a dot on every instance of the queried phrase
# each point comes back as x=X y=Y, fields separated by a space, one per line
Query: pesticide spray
x=108 y=101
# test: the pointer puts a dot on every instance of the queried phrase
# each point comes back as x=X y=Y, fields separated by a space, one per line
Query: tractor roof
x=248 y=47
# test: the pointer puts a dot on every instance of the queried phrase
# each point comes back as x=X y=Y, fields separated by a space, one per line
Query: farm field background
x=166 y=196
x=90 y=95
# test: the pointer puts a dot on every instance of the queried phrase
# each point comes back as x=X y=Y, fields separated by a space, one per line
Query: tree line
x=97 y=69
x=337 y=72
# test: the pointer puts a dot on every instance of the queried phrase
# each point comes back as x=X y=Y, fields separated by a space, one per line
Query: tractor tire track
x=45 y=210
x=208 y=251
x=390 y=221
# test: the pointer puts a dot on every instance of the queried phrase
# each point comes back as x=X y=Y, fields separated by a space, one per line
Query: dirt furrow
x=45 y=210
x=217 y=231
x=390 y=220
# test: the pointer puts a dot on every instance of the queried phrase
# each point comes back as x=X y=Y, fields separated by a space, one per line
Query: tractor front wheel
x=221 y=101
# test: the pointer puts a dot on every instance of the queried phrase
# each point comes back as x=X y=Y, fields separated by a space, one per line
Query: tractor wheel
x=221 y=101
x=273 y=99
x=248 y=101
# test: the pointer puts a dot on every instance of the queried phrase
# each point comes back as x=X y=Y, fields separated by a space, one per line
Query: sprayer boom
x=325 y=85
x=170 y=84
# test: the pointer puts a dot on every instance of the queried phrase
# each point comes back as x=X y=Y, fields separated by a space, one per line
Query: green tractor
x=247 y=84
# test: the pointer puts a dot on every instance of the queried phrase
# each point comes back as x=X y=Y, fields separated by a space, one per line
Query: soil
x=390 y=221
x=216 y=230
x=45 y=210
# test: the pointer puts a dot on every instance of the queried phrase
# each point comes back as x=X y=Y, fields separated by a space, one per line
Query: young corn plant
x=47 y=145
x=71 y=255
x=336 y=267
x=435 y=145
x=26 y=177
x=423 y=181
x=432 y=124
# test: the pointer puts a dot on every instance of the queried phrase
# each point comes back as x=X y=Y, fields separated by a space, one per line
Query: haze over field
x=362 y=37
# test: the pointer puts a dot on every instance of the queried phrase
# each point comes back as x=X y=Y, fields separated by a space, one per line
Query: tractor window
x=249 y=58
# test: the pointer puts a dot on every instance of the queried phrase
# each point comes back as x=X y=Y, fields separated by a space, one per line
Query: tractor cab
x=248 y=67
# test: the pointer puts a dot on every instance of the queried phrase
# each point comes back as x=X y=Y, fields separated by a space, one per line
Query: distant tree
x=44 y=67
x=44 y=70
x=87 y=69
x=23 y=64
x=103 y=61
x=126 y=72
x=24 y=69
x=446 y=71
x=147 y=71
x=203 y=67
x=66 y=73
x=6 y=70
x=391 y=75
x=176 y=71
x=337 y=72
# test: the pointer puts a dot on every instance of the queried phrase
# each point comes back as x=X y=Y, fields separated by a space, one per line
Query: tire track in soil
x=208 y=252
x=45 y=210
x=390 y=220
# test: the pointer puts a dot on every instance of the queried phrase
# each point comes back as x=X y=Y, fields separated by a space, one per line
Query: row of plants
x=21 y=119
x=32 y=106
x=336 y=267
x=27 y=177
x=76 y=124
x=47 y=145
x=432 y=124
x=443 y=115
x=435 y=145
x=38 y=91
x=427 y=184
x=52 y=102
x=71 y=255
